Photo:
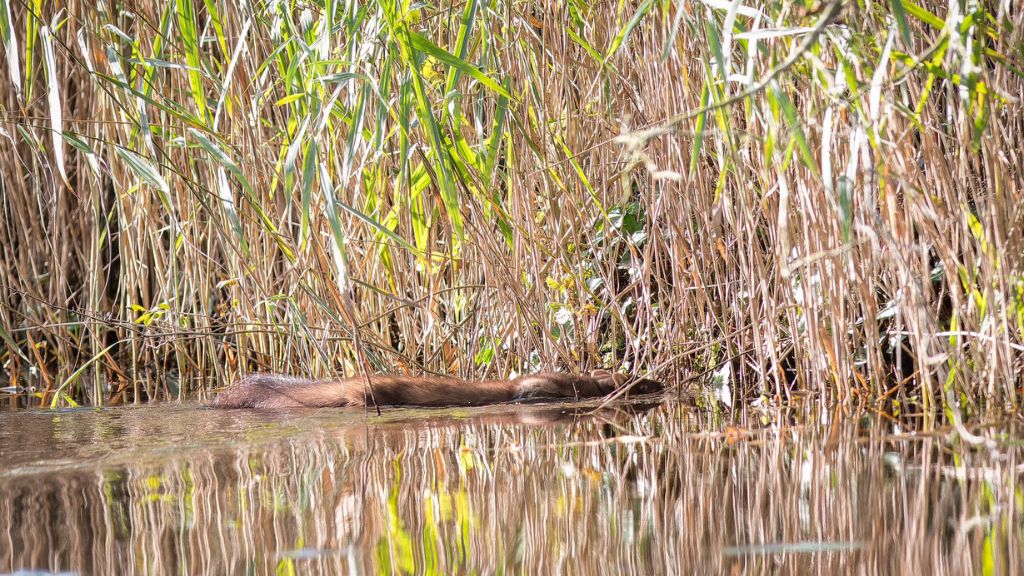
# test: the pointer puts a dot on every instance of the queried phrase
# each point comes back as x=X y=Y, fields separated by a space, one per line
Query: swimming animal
x=280 y=391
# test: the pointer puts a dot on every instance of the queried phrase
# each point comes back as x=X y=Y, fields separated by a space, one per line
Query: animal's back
x=279 y=391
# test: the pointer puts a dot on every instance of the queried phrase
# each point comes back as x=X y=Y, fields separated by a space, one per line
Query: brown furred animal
x=279 y=391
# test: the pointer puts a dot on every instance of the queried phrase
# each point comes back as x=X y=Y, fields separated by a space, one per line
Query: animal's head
x=612 y=381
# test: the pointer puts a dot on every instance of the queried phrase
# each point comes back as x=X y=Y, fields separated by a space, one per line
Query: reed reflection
x=537 y=489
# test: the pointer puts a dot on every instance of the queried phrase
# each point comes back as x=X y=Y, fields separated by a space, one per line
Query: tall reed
x=814 y=197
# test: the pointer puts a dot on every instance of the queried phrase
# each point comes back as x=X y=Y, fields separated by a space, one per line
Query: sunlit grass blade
x=626 y=30
x=171 y=108
x=10 y=41
x=190 y=43
x=338 y=251
x=423 y=44
x=31 y=33
x=698 y=133
x=59 y=393
x=309 y=176
x=380 y=228
x=224 y=194
x=53 y=99
x=493 y=144
x=462 y=40
x=797 y=132
x=424 y=111
x=144 y=169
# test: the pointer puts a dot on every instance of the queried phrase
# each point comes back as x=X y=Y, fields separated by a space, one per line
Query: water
x=541 y=489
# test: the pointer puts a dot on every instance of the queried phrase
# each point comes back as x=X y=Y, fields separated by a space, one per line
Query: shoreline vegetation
x=764 y=199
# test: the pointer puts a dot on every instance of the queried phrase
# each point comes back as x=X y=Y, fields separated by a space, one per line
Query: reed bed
x=765 y=198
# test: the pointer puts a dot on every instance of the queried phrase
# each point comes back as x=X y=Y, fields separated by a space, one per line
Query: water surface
x=539 y=489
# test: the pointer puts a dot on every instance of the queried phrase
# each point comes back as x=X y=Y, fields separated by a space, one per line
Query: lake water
x=538 y=489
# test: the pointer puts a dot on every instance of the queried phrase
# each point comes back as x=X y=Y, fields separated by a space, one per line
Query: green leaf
x=575 y=37
x=337 y=233
x=424 y=110
x=793 y=119
x=53 y=99
x=143 y=168
x=80 y=145
x=923 y=15
x=31 y=29
x=308 y=176
x=59 y=392
x=380 y=227
x=227 y=199
x=10 y=45
x=901 y=20
x=698 y=137
x=172 y=109
x=421 y=43
x=289 y=99
x=493 y=143
x=461 y=43
x=190 y=43
x=623 y=34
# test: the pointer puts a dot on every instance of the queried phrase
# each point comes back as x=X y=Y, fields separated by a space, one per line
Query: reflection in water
x=535 y=489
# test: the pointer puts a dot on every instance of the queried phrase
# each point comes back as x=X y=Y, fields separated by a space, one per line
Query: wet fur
x=279 y=391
